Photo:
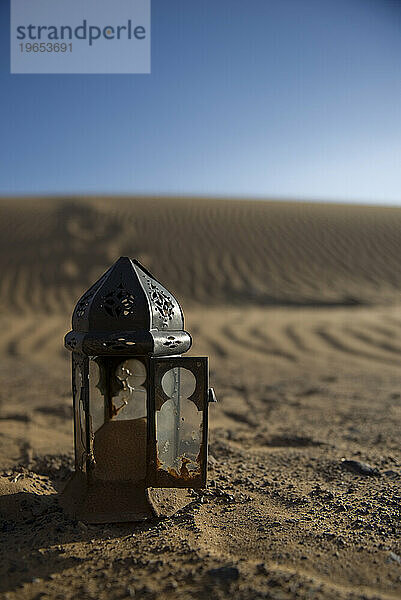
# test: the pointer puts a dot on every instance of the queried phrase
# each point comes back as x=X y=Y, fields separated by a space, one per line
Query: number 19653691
x=46 y=47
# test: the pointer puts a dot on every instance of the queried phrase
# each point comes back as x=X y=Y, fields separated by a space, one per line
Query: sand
x=298 y=307
x=127 y=459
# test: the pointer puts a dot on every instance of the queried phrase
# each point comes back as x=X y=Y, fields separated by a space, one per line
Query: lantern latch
x=211 y=396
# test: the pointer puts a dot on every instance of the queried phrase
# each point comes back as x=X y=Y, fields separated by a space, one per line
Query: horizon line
x=196 y=196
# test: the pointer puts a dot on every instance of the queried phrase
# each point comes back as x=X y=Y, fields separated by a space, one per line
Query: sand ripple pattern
x=207 y=251
x=294 y=337
x=283 y=337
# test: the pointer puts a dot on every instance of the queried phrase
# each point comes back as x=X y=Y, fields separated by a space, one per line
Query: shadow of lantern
x=140 y=408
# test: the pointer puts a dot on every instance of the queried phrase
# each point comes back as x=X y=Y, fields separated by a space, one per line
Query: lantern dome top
x=127 y=311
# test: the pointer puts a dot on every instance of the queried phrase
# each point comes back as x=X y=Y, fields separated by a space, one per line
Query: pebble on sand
x=359 y=468
x=226 y=573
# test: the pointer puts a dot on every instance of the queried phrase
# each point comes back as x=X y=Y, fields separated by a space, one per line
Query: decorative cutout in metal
x=119 y=302
x=163 y=303
x=171 y=342
x=83 y=304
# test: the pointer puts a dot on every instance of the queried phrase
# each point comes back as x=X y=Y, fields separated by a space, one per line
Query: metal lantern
x=140 y=408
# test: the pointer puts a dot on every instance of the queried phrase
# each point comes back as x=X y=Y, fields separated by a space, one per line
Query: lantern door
x=178 y=421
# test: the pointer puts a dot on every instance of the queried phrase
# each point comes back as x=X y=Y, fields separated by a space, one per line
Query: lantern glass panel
x=80 y=419
x=96 y=397
x=130 y=403
x=120 y=444
x=179 y=425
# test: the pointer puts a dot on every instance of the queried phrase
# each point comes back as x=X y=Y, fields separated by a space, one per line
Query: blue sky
x=257 y=98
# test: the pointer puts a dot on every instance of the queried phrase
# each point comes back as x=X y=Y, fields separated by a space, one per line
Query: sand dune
x=298 y=307
x=236 y=252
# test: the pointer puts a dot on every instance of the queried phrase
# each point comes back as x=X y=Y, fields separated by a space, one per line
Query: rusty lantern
x=140 y=408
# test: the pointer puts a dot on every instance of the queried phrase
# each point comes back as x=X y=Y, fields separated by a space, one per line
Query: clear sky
x=284 y=98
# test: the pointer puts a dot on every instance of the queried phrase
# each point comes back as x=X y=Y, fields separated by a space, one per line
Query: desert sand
x=298 y=307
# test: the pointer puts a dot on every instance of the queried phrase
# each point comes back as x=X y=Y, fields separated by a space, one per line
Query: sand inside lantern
x=120 y=450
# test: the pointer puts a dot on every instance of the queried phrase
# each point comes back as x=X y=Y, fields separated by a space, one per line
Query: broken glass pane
x=130 y=403
x=96 y=398
x=120 y=444
x=179 y=425
x=80 y=419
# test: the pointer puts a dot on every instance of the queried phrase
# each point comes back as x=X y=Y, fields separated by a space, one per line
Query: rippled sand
x=298 y=307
